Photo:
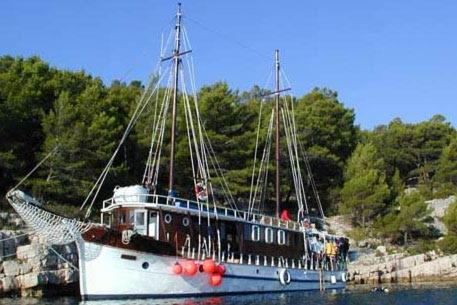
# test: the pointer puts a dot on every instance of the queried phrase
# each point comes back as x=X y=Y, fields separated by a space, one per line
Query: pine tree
x=449 y=242
x=446 y=174
x=231 y=127
x=412 y=215
x=365 y=190
x=86 y=129
x=327 y=130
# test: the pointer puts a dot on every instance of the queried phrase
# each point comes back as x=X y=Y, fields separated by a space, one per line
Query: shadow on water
x=398 y=295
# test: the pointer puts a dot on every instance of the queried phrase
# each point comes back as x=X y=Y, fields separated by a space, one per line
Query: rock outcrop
x=439 y=208
x=395 y=268
x=30 y=267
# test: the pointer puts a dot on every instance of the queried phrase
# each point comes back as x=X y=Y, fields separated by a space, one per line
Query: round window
x=145 y=265
x=185 y=221
x=168 y=218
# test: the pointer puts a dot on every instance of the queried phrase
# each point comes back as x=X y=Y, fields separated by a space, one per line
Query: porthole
x=145 y=265
x=168 y=218
x=185 y=221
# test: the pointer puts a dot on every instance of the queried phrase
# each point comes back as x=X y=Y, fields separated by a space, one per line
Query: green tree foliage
x=407 y=220
x=86 y=129
x=329 y=135
x=231 y=127
x=450 y=218
x=449 y=243
x=412 y=215
x=413 y=149
x=365 y=190
x=396 y=185
x=446 y=175
x=27 y=90
x=42 y=107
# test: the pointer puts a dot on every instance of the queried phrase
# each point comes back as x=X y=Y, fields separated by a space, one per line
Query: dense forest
x=380 y=178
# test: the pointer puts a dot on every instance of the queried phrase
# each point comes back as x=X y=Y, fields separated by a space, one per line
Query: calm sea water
x=398 y=295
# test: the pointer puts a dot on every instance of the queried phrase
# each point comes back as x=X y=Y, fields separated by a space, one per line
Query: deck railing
x=202 y=207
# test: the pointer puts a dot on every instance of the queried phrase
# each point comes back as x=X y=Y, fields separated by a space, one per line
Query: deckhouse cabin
x=178 y=226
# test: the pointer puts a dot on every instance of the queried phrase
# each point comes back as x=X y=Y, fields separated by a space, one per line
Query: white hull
x=104 y=274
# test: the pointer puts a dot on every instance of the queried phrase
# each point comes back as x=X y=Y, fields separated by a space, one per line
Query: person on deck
x=334 y=251
x=328 y=254
x=315 y=252
x=285 y=215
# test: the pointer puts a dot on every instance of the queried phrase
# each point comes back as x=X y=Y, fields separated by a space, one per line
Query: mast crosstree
x=283 y=113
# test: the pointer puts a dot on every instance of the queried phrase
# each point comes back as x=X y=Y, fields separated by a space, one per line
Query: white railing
x=180 y=203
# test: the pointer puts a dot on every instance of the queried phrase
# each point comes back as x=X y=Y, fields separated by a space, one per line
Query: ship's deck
x=200 y=208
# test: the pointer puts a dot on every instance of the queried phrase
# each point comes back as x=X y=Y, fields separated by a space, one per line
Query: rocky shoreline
x=400 y=268
x=28 y=267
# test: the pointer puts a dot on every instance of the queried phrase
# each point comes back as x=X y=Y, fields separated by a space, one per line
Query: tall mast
x=277 y=148
x=177 y=60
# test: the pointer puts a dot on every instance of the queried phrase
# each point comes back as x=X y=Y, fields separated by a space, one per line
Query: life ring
x=201 y=192
x=126 y=236
x=284 y=277
x=343 y=277
x=203 y=195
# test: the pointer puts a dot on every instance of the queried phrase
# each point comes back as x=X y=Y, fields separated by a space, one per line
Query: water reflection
x=401 y=295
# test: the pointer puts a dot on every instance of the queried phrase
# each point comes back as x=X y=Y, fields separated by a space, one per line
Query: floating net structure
x=52 y=228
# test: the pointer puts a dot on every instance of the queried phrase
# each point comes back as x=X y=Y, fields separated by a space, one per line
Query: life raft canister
x=284 y=277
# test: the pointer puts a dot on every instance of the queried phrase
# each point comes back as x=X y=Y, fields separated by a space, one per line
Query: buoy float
x=220 y=269
x=215 y=279
x=190 y=267
x=177 y=268
x=209 y=266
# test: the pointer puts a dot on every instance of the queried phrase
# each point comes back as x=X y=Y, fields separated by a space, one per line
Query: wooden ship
x=151 y=244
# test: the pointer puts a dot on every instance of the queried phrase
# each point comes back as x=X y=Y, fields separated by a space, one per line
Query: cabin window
x=122 y=217
x=281 y=237
x=140 y=219
x=153 y=225
x=131 y=217
x=255 y=233
x=269 y=235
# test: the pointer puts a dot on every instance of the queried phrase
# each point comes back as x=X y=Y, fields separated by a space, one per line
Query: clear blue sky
x=386 y=58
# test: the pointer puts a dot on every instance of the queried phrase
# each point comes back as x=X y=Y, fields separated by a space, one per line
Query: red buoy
x=215 y=279
x=177 y=268
x=220 y=269
x=209 y=266
x=190 y=267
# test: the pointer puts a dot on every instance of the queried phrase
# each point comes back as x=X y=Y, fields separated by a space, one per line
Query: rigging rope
x=240 y=44
x=52 y=152
x=136 y=114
